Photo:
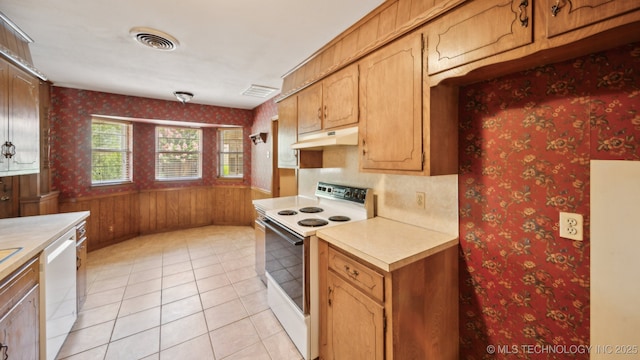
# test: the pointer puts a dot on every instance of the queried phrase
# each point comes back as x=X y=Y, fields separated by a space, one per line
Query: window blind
x=111 y=152
x=178 y=153
x=231 y=153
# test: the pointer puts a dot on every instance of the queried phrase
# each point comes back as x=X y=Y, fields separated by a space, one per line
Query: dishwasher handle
x=54 y=250
x=59 y=250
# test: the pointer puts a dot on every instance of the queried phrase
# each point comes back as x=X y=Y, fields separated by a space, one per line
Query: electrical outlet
x=571 y=226
x=420 y=199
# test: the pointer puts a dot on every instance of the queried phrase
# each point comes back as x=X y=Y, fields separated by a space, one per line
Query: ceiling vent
x=154 y=39
x=259 y=91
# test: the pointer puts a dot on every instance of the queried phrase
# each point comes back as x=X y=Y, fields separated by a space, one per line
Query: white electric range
x=292 y=253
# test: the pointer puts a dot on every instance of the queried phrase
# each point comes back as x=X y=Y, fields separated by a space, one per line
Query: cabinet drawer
x=361 y=276
x=17 y=285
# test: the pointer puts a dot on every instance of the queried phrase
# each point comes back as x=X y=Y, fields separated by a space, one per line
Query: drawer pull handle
x=8 y=151
x=353 y=273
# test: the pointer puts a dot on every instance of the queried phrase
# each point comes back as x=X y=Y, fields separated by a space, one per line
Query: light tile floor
x=190 y=294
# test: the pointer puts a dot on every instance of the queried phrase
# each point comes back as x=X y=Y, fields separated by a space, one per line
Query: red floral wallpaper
x=525 y=145
x=261 y=164
x=71 y=138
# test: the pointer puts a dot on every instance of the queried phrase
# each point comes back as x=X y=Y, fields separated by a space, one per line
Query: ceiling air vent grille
x=154 y=39
x=259 y=91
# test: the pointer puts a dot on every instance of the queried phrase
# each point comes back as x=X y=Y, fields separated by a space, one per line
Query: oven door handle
x=283 y=233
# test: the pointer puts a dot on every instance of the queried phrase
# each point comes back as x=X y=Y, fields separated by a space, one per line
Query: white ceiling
x=225 y=46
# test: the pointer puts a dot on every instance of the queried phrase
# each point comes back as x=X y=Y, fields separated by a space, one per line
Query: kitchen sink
x=6 y=253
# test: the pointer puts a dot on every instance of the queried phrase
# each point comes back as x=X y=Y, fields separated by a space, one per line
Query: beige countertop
x=33 y=234
x=387 y=244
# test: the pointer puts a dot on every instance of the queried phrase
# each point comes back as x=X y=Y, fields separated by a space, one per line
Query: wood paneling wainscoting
x=258 y=194
x=118 y=217
x=114 y=217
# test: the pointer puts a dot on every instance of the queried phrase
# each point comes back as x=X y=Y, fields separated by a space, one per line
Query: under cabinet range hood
x=347 y=136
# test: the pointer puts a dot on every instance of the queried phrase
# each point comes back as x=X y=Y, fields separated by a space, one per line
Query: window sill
x=230 y=179
x=112 y=184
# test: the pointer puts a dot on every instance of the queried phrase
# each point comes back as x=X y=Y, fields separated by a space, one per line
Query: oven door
x=287 y=257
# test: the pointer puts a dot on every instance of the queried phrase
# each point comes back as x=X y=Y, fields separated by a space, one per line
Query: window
x=230 y=152
x=178 y=153
x=111 y=152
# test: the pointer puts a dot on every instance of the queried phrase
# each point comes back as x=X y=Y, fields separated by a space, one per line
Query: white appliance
x=58 y=311
x=292 y=256
x=615 y=245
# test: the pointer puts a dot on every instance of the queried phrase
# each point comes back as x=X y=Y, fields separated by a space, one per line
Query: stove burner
x=339 y=218
x=311 y=209
x=287 y=212
x=312 y=222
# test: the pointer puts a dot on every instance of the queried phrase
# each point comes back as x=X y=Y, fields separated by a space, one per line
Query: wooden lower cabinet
x=355 y=323
x=81 y=264
x=19 y=314
x=408 y=313
x=260 y=251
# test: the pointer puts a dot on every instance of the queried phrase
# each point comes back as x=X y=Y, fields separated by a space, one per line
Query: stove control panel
x=342 y=192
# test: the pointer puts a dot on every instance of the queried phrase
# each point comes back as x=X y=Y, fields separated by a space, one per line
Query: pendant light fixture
x=183 y=96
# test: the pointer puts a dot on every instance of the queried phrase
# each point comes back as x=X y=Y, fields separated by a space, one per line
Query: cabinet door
x=568 y=15
x=19 y=329
x=287 y=132
x=24 y=122
x=478 y=30
x=260 y=250
x=81 y=268
x=340 y=98
x=4 y=112
x=391 y=107
x=310 y=109
x=355 y=323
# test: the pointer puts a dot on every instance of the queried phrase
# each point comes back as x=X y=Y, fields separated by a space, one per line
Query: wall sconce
x=258 y=137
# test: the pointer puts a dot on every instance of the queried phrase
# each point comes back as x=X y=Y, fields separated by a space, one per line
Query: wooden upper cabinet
x=24 y=127
x=289 y=158
x=19 y=121
x=570 y=15
x=340 y=98
x=391 y=107
x=310 y=109
x=330 y=103
x=4 y=112
x=287 y=132
x=478 y=30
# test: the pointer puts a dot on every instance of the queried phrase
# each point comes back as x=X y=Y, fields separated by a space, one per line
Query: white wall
x=615 y=246
x=396 y=194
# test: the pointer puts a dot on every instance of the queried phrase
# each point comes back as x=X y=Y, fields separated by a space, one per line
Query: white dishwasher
x=58 y=310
